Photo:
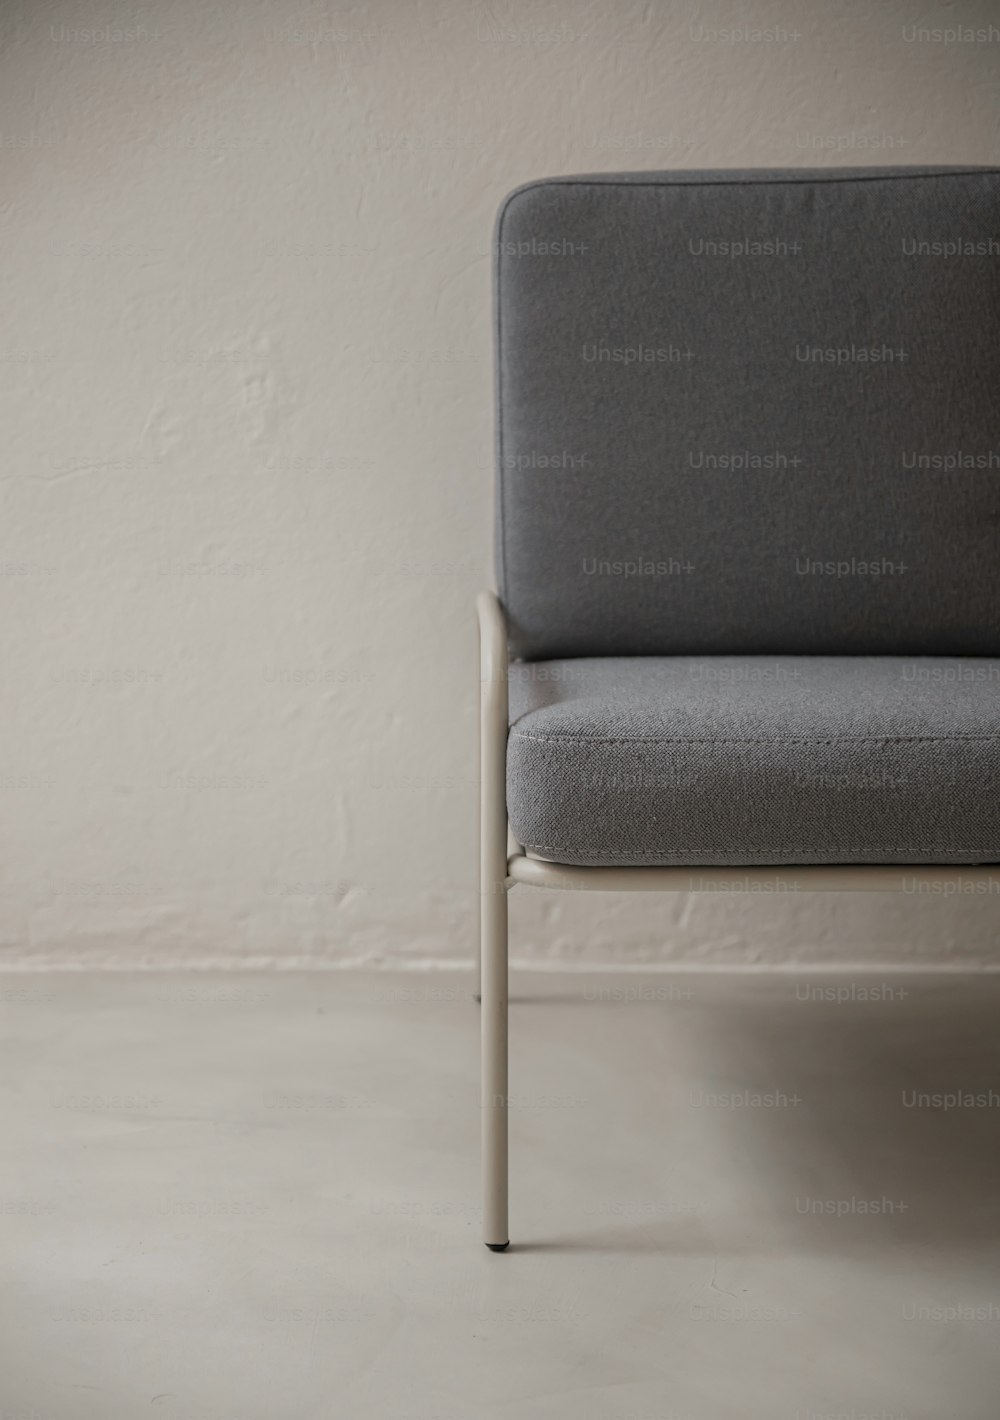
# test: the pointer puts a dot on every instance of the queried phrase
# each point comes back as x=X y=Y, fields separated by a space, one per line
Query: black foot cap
x=480 y=1000
x=499 y=1247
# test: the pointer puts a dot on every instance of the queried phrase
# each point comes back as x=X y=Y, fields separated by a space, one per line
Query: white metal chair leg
x=493 y=917
x=513 y=849
x=494 y=1066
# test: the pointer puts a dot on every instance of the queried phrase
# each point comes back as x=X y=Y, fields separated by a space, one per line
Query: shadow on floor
x=889 y=1135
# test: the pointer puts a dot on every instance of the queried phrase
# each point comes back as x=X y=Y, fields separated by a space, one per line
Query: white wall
x=247 y=404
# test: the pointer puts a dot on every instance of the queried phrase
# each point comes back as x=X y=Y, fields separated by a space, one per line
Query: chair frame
x=503 y=863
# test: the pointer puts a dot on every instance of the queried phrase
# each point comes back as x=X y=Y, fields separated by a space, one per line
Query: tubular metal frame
x=503 y=863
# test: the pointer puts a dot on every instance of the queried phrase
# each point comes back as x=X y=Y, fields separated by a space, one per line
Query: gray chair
x=748 y=546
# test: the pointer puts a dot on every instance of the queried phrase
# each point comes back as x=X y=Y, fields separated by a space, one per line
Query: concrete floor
x=234 y=1197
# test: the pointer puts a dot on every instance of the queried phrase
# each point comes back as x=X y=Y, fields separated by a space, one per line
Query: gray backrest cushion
x=787 y=448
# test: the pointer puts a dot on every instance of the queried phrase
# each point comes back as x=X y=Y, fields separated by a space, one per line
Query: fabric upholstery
x=756 y=760
x=751 y=413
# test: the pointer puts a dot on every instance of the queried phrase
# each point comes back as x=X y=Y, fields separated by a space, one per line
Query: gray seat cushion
x=756 y=760
x=750 y=412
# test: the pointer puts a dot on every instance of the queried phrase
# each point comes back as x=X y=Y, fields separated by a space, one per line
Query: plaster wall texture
x=246 y=498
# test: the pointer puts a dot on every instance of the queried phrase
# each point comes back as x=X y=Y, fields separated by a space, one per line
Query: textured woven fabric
x=750 y=413
x=727 y=760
